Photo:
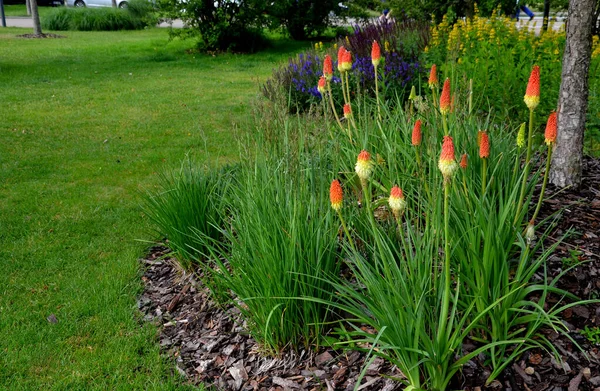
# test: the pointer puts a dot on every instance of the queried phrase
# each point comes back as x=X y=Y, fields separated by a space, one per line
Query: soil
x=40 y=36
x=209 y=345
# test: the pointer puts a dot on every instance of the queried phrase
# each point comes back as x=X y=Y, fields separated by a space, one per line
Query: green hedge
x=100 y=19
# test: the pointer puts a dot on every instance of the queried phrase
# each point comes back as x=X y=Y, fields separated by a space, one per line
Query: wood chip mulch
x=209 y=344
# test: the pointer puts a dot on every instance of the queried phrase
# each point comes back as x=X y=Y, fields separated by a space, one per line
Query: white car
x=96 y=3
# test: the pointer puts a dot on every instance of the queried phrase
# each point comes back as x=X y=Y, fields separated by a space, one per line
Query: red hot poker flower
x=340 y=58
x=347 y=61
x=532 y=95
x=396 y=201
x=375 y=54
x=433 y=79
x=417 y=136
x=328 y=67
x=484 y=146
x=336 y=195
x=347 y=111
x=322 y=84
x=447 y=163
x=550 y=134
x=445 y=98
x=463 y=161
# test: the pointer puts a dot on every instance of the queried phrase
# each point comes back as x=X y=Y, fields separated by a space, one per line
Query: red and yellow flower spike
x=336 y=195
x=445 y=98
x=447 y=163
x=396 y=202
x=550 y=134
x=417 y=136
x=347 y=61
x=433 y=79
x=347 y=111
x=364 y=166
x=340 y=58
x=322 y=84
x=375 y=54
x=532 y=95
x=484 y=146
x=328 y=68
x=463 y=161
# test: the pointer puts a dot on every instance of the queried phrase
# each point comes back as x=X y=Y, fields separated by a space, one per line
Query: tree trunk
x=28 y=6
x=573 y=96
x=37 y=26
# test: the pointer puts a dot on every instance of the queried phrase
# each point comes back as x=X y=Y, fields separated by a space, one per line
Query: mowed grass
x=86 y=124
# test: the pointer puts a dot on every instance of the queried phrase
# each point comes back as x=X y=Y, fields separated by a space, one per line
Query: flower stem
x=446 y=295
x=346 y=231
x=377 y=93
x=337 y=118
x=526 y=168
x=445 y=125
x=539 y=204
x=483 y=176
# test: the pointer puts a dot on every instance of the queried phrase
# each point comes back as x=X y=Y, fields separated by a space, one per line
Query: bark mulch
x=40 y=36
x=209 y=343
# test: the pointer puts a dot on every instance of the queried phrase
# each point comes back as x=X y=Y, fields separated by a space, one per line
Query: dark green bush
x=97 y=19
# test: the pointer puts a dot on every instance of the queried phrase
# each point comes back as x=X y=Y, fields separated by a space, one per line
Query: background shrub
x=98 y=19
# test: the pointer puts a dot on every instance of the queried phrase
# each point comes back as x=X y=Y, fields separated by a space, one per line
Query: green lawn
x=86 y=124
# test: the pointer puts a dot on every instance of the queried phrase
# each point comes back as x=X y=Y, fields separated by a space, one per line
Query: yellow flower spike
x=521 y=136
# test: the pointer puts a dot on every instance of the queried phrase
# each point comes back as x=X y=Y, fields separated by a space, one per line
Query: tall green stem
x=337 y=118
x=526 y=169
x=377 y=94
x=539 y=204
x=346 y=231
x=446 y=296
x=483 y=176
x=445 y=125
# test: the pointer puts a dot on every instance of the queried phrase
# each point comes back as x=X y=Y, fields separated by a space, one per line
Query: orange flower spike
x=336 y=195
x=447 y=163
x=328 y=68
x=364 y=166
x=417 y=136
x=433 y=79
x=532 y=95
x=479 y=136
x=347 y=111
x=340 y=58
x=396 y=201
x=322 y=84
x=484 y=146
x=463 y=161
x=550 y=134
x=375 y=54
x=445 y=98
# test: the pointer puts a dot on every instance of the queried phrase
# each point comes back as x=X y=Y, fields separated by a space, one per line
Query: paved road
x=26 y=22
x=536 y=23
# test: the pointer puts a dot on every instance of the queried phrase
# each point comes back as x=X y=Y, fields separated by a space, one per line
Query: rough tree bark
x=37 y=26
x=573 y=96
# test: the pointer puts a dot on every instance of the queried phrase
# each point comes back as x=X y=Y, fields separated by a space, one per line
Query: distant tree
x=302 y=18
x=219 y=24
x=566 y=169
